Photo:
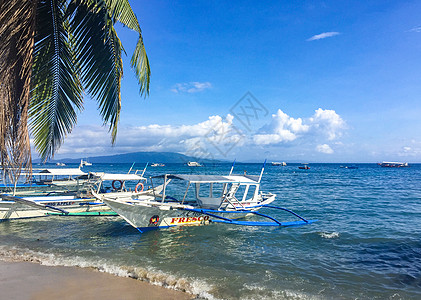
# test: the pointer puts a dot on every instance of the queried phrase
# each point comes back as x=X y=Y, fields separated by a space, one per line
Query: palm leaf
x=57 y=91
x=98 y=51
x=122 y=12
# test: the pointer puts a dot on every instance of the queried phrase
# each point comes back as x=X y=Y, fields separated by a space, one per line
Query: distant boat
x=157 y=165
x=194 y=164
x=304 y=167
x=84 y=163
x=60 y=164
x=274 y=163
x=349 y=167
x=393 y=164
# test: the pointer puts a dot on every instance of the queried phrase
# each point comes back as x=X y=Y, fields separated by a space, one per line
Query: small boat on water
x=349 y=167
x=283 y=164
x=84 y=163
x=60 y=164
x=391 y=164
x=157 y=165
x=217 y=200
x=194 y=164
x=304 y=167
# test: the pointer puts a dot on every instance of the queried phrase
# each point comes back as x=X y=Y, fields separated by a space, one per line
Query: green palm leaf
x=122 y=12
x=98 y=51
x=56 y=91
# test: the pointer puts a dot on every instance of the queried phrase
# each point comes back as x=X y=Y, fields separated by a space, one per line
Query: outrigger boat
x=393 y=164
x=219 y=204
x=80 y=203
x=47 y=181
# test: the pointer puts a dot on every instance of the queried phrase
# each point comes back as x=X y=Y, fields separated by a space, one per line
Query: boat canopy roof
x=246 y=179
x=56 y=172
x=122 y=177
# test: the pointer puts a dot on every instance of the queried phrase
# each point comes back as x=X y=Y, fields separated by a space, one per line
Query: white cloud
x=191 y=87
x=95 y=140
x=415 y=29
x=216 y=137
x=328 y=122
x=323 y=35
x=324 y=124
x=325 y=148
x=283 y=128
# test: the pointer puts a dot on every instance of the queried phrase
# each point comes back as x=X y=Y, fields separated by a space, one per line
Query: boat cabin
x=108 y=182
x=215 y=191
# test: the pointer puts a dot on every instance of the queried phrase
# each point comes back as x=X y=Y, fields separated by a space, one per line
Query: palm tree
x=51 y=52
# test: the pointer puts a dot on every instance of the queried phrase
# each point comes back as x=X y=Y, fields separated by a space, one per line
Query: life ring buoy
x=137 y=187
x=113 y=184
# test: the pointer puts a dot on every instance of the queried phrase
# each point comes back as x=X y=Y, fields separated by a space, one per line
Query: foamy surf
x=255 y=292
x=327 y=235
x=198 y=288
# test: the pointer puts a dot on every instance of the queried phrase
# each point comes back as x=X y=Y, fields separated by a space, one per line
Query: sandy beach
x=25 y=280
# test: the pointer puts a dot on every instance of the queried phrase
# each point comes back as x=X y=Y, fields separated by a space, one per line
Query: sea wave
x=327 y=235
x=199 y=289
x=255 y=292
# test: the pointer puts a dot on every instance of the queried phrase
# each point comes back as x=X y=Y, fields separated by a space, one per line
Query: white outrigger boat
x=80 y=203
x=53 y=181
x=12 y=207
x=219 y=204
x=194 y=164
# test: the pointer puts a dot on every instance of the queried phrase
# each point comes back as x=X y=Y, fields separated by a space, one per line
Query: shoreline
x=30 y=280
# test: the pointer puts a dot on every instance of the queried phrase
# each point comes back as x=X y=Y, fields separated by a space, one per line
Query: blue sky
x=332 y=81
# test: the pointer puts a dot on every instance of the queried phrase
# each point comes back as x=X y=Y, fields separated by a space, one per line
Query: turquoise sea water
x=366 y=244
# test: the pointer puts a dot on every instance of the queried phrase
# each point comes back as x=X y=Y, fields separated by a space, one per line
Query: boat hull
x=63 y=205
x=147 y=215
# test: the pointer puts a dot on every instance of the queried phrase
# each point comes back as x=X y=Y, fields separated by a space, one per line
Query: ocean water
x=366 y=244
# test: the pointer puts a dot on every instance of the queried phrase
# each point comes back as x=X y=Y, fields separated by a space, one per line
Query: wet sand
x=25 y=280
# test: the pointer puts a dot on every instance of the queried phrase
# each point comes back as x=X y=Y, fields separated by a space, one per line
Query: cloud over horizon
x=215 y=137
x=323 y=35
x=90 y=140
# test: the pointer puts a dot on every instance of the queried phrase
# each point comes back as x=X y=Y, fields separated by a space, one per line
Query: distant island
x=138 y=157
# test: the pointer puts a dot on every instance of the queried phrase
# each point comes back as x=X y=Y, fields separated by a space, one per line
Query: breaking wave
x=332 y=235
x=197 y=288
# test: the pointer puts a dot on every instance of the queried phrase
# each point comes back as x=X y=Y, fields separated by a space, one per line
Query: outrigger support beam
x=220 y=219
x=227 y=220
x=266 y=216
x=290 y=211
x=205 y=212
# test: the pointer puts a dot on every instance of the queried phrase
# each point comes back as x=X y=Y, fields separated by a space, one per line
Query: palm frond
x=57 y=90
x=122 y=12
x=98 y=51
x=17 y=19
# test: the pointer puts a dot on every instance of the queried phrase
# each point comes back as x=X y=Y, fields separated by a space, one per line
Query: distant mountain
x=139 y=157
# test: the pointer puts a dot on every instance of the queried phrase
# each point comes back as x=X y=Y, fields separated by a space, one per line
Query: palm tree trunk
x=16 y=48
